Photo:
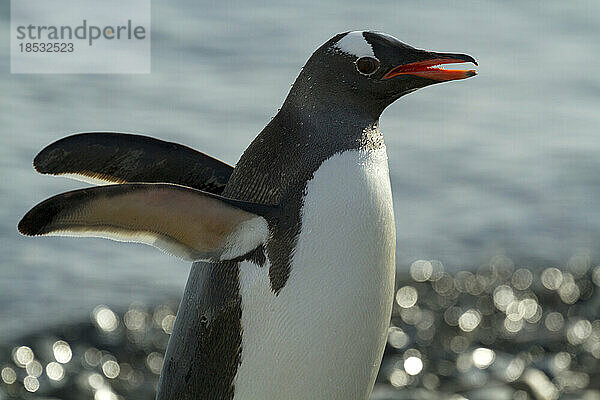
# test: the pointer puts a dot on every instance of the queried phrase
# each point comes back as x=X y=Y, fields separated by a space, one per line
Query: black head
x=371 y=70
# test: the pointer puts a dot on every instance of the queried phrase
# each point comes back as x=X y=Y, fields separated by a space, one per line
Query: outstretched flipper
x=108 y=157
x=185 y=222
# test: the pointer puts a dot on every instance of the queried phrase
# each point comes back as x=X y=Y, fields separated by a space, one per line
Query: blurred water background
x=491 y=176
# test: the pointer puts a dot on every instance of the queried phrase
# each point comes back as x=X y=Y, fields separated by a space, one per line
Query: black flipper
x=109 y=157
x=179 y=220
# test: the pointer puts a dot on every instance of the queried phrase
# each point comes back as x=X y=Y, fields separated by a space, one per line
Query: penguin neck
x=318 y=103
x=309 y=128
x=324 y=126
x=327 y=121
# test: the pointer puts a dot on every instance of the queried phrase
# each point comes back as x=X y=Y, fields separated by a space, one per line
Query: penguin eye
x=367 y=65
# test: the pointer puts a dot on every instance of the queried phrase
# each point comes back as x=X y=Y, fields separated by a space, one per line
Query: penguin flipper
x=185 y=222
x=110 y=157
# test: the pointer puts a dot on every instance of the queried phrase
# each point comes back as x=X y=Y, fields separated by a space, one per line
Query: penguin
x=293 y=250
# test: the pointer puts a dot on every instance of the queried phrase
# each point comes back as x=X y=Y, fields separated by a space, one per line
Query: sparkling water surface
x=503 y=166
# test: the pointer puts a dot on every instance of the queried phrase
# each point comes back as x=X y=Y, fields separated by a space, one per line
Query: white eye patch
x=354 y=43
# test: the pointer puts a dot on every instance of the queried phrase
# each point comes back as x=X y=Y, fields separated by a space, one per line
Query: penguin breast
x=322 y=336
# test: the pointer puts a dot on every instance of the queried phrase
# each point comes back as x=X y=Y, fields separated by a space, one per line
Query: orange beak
x=429 y=69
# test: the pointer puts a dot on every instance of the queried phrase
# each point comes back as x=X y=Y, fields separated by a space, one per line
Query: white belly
x=323 y=336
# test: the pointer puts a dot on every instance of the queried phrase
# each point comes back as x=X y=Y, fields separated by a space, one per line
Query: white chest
x=322 y=336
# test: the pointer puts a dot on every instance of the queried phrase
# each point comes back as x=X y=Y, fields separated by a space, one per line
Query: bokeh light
x=413 y=365
x=554 y=321
x=421 y=270
x=34 y=368
x=406 y=296
x=596 y=276
x=55 y=371
x=31 y=383
x=397 y=338
x=469 y=320
x=105 y=318
x=579 y=331
x=92 y=357
x=522 y=279
x=568 y=290
x=111 y=369
x=22 y=356
x=62 y=351
x=105 y=394
x=9 y=376
x=96 y=381
x=498 y=325
x=167 y=323
x=514 y=370
x=154 y=362
x=482 y=357
x=399 y=378
x=135 y=319
x=503 y=297
x=552 y=278
x=561 y=361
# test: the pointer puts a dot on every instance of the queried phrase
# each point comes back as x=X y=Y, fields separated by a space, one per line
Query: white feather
x=161 y=242
x=98 y=179
x=354 y=43
x=248 y=236
x=323 y=335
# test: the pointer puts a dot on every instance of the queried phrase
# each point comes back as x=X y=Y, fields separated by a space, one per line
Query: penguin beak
x=430 y=67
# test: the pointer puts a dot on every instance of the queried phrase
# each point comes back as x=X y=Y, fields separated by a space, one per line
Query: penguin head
x=373 y=69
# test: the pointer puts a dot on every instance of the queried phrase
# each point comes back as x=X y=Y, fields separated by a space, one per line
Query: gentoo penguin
x=290 y=292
